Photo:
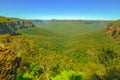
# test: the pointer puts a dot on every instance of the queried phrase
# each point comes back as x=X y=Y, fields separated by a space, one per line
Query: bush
x=68 y=75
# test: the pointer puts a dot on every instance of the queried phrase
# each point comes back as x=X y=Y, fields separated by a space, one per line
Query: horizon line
x=61 y=18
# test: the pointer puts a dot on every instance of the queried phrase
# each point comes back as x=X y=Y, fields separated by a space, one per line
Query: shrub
x=68 y=75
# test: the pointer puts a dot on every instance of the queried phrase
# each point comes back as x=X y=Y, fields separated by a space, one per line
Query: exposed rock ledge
x=10 y=25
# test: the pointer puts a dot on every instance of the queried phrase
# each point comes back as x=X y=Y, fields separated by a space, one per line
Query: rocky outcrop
x=114 y=28
x=11 y=25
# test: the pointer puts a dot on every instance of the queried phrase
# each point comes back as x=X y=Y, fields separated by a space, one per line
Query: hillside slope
x=72 y=27
x=48 y=55
x=95 y=54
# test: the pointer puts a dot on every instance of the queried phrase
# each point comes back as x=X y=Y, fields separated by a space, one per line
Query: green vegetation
x=116 y=23
x=68 y=76
x=6 y=19
x=72 y=27
x=89 y=54
x=10 y=25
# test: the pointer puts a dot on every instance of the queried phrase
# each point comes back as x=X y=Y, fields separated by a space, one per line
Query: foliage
x=9 y=63
x=50 y=55
x=6 y=19
x=68 y=75
x=33 y=73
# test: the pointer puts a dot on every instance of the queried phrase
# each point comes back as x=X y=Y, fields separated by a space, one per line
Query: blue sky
x=61 y=9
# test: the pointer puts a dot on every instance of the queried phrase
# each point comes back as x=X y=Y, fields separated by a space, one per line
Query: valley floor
x=46 y=55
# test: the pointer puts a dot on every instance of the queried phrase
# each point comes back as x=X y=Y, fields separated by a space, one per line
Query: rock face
x=114 y=28
x=11 y=25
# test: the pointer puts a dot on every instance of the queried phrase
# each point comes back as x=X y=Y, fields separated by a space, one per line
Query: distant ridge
x=72 y=27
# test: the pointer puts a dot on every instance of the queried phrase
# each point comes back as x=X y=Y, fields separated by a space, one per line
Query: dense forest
x=59 y=49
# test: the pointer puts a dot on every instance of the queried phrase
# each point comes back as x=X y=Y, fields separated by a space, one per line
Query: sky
x=61 y=9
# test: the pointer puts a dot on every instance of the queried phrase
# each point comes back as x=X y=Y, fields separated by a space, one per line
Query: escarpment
x=11 y=25
x=113 y=28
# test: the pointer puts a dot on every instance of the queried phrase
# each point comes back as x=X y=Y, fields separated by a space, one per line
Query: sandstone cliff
x=114 y=28
x=11 y=25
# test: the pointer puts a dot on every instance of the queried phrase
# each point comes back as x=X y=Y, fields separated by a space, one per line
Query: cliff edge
x=11 y=25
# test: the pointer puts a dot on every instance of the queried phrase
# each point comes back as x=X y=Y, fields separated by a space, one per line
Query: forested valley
x=59 y=49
